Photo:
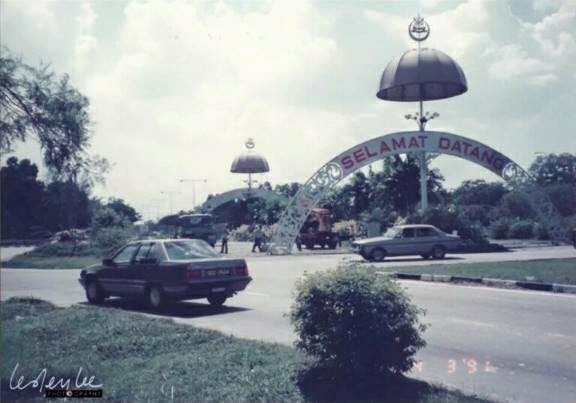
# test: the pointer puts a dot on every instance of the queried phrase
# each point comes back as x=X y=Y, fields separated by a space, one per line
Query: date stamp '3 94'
x=469 y=366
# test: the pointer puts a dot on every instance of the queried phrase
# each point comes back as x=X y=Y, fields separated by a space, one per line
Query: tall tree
x=552 y=169
x=123 y=209
x=403 y=182
x=479 y=192
x=35 y=103
x=21 y=198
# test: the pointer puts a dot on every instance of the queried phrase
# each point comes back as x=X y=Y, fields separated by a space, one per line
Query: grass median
x=558 y=271
x=140 y=358
x=30 y=261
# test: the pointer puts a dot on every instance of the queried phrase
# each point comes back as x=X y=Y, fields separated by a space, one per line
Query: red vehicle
x=317 y=230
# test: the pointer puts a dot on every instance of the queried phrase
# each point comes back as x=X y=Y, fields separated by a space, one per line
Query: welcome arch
x=351 y=160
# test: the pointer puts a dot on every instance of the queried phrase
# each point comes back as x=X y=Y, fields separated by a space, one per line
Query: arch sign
x=326 y=178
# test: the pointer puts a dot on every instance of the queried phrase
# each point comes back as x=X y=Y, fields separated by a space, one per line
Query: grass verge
x=559 y=271
x=26 y=261
x=138 y=358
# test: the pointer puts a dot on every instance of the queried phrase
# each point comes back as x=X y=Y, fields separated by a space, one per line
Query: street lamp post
x=193 y=181
x=169 y=193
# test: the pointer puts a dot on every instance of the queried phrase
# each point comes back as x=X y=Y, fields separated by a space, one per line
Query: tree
x=35 y=103
x=288 y=190
x=123 y=209
x=66 y=205
x=403 y=183
x=479 y=192
x=557 y=174
x=551 y=169
x=21 y=198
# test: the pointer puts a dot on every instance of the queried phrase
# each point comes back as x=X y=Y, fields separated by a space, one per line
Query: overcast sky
x=176 y=87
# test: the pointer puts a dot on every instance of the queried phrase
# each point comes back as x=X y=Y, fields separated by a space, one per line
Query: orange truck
x=317 y=230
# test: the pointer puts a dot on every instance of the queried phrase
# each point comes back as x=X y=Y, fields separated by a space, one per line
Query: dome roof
x=250 y=162
x=429 y=74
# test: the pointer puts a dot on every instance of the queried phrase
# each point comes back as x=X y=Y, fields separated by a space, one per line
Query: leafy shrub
x=514 y=205
x=241 y=234
x=449 y=220
x=500 y=228
x=110 y=239
x=475 y=213
x=245 y=233
x=356 y=324
x=521 y=229
x=541 y=232
x=63 y=249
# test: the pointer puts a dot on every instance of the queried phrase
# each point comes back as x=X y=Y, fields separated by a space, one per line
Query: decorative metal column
x=420 y=75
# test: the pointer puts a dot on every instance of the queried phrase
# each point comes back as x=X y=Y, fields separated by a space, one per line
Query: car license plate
x=217 y=272
x=219 y=289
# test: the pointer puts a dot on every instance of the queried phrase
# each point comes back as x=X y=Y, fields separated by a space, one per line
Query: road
x=510 y=345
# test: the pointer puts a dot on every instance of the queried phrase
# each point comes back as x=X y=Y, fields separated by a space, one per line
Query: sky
x=176 y=87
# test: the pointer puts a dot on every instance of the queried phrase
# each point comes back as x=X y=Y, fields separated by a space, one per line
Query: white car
x=424 y=240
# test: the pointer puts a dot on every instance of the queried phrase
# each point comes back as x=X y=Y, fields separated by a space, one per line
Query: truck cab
x=197 y=226
x=317 y=230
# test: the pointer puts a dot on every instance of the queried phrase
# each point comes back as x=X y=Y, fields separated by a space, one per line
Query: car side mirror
x=107 y=262
x=398 y=236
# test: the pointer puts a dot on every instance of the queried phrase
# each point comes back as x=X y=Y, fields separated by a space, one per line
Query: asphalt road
x=506 y=344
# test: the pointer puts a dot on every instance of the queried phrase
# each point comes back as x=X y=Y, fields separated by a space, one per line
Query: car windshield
x=392 y=232
x=189 y=249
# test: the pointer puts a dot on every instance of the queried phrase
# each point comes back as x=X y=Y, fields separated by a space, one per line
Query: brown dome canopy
x=424 y=75
x=250 y=162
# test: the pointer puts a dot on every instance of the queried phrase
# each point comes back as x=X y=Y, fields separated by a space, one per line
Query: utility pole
x=193 y=181
x=169 y=193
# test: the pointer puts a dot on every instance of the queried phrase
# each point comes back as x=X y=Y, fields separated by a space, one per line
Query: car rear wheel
x=217 y=299
x=425 y=256
x=438 y=252
x=94 y=293
x=378 y=255
x=155 y=298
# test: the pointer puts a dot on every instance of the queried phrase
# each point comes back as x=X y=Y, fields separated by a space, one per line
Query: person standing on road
x=224 y=247
x=298 y=241
x=258 y=238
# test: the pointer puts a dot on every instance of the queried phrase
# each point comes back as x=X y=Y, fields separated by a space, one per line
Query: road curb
x=493 y=282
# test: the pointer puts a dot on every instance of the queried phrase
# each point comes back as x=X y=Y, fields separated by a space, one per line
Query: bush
x=110 y=239
x=356 y=324
x=500 y=228
x=449 y=220
x=541 y=232
x=63 y=249
x=521 y=229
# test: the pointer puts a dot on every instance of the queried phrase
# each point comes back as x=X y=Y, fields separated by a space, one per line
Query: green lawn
x=29 y=261
x=139 y=358
x=560 y=271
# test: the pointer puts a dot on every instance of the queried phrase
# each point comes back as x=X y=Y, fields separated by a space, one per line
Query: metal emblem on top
x=419 y=29
x=250 y=143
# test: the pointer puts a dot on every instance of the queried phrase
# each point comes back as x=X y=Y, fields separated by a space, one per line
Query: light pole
x=169 y=193
x=421 y=119
x=193 y=181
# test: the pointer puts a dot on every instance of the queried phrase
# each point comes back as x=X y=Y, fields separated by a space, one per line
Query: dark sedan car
x=164 y=270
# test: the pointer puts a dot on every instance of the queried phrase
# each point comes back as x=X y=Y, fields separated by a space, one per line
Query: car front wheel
x=94 y=292
x=378 y=255
x=155 y=298
x=438 y=252
x=217 y=299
